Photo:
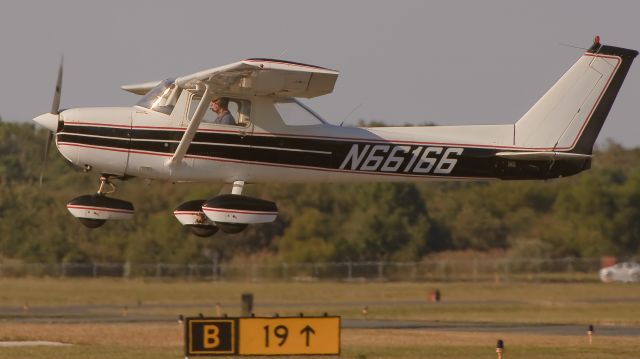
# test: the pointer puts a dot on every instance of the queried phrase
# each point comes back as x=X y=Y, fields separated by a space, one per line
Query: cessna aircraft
x=170 y=134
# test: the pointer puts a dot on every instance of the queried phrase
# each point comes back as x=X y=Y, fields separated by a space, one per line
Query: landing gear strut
x=104 y=181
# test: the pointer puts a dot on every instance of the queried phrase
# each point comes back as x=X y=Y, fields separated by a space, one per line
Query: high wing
x=257 y=77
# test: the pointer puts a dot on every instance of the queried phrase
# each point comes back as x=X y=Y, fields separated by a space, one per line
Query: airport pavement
x=114 y=314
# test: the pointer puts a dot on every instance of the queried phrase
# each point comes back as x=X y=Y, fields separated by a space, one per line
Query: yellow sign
x=289 y=336
x=262 y=336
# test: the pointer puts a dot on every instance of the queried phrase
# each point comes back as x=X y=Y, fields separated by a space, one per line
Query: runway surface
x=116 y=314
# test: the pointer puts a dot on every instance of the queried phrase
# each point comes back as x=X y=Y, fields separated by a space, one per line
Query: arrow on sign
x=307 y=330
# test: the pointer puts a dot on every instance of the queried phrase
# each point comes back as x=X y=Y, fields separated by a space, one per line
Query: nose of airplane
x=49 y=121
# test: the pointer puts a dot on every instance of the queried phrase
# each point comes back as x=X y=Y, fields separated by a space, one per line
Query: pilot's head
x=220 y=103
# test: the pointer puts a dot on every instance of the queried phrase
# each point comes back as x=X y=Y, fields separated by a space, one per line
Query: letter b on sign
x=211 y=336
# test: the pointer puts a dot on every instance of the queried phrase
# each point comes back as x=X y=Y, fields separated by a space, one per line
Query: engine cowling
x=233 y=212
x=190 y=215
x=93 y=210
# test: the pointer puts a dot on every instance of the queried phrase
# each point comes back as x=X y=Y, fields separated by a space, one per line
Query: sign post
x=262 y=336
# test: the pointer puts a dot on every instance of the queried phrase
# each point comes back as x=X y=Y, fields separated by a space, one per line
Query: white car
x=621 y=272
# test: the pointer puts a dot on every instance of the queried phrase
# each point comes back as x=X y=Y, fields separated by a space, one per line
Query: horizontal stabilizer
x=543 y=155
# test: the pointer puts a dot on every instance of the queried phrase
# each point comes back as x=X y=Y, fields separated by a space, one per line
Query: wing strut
x=190 y=133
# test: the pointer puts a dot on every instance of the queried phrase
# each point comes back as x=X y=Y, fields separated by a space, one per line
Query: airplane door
x=223 y=142
x=156 y=132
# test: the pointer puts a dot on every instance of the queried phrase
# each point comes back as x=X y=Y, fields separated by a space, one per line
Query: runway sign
x=262 y=336
x=209 y=336
x=289 y=336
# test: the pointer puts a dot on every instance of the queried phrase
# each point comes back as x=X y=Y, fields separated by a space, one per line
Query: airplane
x=171 y=135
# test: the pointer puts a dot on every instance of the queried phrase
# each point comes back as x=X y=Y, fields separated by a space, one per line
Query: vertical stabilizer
x=570 y=115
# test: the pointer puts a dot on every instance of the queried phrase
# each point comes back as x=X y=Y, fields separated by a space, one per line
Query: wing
x=259 y=77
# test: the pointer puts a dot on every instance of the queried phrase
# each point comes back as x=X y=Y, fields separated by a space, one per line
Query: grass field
x=52 y=299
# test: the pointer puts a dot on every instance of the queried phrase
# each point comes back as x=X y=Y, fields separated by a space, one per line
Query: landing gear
x=230 y=213
x=94 y=210
x=232 y=228
x=203 y=231
x=92 y=223
x=104 y=182
x=191 y=216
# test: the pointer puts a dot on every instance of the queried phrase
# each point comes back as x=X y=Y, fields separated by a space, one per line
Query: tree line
x=594 y=213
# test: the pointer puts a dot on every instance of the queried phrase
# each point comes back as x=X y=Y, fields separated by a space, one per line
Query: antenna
x=573 y=46
x=596 y=41
x=350 y=113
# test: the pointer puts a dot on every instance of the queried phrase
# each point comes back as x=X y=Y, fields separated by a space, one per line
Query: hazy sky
x=448 y=62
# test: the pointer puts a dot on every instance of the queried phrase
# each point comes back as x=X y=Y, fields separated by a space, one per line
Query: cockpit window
x=295 y=113
x=161 y=98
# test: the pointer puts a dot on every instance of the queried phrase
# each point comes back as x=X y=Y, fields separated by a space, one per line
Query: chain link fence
x=471 y=270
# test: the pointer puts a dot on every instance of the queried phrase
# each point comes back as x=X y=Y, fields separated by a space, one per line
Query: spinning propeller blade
x=55 y=106
x=46 y=155
x=48 y=121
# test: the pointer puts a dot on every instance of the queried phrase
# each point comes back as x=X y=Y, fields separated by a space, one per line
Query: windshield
x=161 y=98
x=295 y=113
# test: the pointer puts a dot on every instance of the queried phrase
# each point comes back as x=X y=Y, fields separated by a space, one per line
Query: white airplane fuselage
x=136 y=142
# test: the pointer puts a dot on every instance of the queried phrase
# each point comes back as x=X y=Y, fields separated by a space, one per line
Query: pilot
x=220 y=107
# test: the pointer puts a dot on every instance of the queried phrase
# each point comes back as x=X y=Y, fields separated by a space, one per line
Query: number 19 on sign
x=281 y=332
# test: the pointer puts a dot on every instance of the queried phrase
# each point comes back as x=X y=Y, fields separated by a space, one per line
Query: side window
x=294 y=113
x=238 y=109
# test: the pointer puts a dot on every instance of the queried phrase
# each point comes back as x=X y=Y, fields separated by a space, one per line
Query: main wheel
x=203 y=231
x=92 y=223
x=232 y=228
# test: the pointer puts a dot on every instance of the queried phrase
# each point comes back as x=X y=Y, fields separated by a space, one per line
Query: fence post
x=570 y=269
x=253 y=272
x=380 y=269
x=414 y=270
x=214 y=266
x=506 y=270
x=284 y=271
x=475 y=269
x=349 y=271
x=95 y=270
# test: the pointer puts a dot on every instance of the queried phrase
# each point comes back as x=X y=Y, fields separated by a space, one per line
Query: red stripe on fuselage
x=126 y=211
x=207 y=209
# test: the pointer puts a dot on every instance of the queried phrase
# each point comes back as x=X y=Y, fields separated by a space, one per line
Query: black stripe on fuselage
x=324 y=153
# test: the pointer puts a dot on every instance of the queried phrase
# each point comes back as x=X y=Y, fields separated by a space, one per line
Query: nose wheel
x=94 y=210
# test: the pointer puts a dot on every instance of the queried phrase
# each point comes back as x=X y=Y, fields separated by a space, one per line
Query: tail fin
x=570 y=115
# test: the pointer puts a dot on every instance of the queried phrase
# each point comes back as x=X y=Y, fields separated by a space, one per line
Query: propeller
x=51 y=120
